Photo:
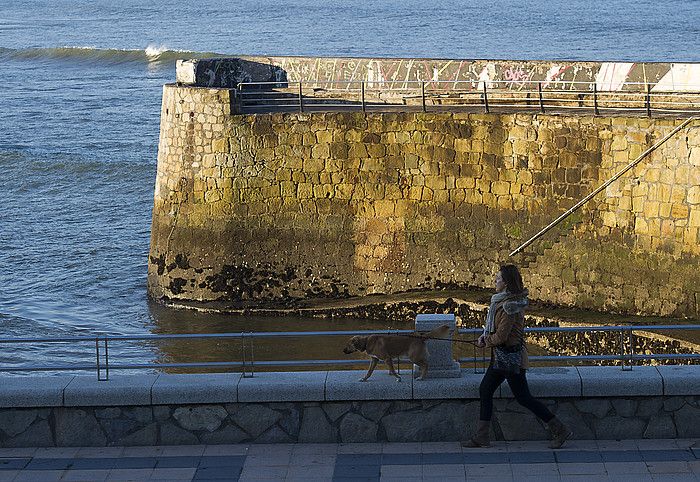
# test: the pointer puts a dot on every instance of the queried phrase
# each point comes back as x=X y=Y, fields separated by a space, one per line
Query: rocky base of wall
x=359 y=421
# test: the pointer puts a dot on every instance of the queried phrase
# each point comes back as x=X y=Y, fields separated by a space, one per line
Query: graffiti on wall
x=458 y=75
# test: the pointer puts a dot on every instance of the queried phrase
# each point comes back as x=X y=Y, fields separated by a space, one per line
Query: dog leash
x=473 y=342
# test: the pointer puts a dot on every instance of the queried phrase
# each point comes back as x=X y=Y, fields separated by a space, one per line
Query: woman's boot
x=559 y=433
x=481 y=437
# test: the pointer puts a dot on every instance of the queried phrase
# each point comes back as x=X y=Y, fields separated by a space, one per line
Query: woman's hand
x=481 y=342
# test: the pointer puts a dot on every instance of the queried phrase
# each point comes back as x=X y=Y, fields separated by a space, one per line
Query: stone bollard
x=441 y=364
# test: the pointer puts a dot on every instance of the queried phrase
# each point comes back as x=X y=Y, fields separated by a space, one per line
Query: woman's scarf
x=512 y=303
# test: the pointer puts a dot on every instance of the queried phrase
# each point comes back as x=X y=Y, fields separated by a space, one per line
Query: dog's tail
x=439 y=332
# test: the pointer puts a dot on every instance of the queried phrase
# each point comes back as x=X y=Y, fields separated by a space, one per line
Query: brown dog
x=388 y=347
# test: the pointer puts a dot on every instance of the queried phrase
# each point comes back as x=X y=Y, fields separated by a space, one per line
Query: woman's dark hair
x=512 y=279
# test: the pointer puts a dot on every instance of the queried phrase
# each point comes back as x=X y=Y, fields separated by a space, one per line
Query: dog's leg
x=372 y=365
x=423 y=370
x=390 y=362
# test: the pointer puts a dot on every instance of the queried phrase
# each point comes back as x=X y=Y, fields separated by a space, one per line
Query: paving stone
x=666 y=455
x=129 y=474
x=356 y=471
x=85 y=475
x=135 y=463
x=485 y=458
x=626 y=468
x=360 y=459
x=173 y=474
x=39 y=475
x=95 y=463
x=621 y=456
x=591 y=468
x=406 y=471
x=13 y=463
x=531 y=457
x=48 y=464
x=222 y=461
x=534 y=469
x=217 y=473
x=668 y=467
x=577 y=456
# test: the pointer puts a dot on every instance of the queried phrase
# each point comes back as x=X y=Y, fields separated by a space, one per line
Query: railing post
x=362 y=89
x=648 y=100
x=539 y=91
x=422 y=95
x=301 y=99
x=595 y=100
x=486 y=100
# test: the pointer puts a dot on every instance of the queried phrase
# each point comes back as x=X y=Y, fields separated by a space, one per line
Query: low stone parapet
x=334 y=406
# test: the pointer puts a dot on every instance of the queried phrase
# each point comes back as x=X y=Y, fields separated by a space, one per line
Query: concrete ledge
x=680 y=379
x=346 y=385
x=164 y=389
x=466 y=386
x=549 y=382
x=33 y=391
x=283 y=387
x=210 y=388
x=119 y=390
x=613 y=381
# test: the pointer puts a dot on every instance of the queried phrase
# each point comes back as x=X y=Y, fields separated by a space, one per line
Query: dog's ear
x=360 y=343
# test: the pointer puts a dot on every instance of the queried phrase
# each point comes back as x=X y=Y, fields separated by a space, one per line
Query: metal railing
x=247 y=362
x=584 y=97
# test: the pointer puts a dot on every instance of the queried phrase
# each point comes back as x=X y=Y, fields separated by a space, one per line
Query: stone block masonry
x=335 y=407
x=273 y=210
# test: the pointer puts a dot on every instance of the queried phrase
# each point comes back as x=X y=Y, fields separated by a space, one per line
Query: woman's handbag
x=508 y=359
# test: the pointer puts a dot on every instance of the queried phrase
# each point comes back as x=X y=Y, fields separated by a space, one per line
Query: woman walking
x=504 y=334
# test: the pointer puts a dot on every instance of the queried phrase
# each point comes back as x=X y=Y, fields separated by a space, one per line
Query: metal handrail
x=600 y=188
x=246 y=365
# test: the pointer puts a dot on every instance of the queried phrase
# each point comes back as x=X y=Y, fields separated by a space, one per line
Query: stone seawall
x=279 y=209
x=596 y=402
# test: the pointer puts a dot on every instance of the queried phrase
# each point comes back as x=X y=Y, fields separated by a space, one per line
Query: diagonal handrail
x=602 y=186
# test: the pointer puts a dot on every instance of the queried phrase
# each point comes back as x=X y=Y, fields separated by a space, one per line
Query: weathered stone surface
x=672 y=404
x=374 y=410
x=255 y=419
x=147 y=435
x=274 y=435
x=346 y=385
x=615 y=427
x=687 y=421
x=660 y=426
x=335 y=410
x=624 y=407
x=572 y=418
x=291 y=421
x=76 y=428
x=170 y=434
x=125 y=390
x=230 y=434
x=315 y=427
x=33 y=392
x=597 y=406
x=680 y=379
x=604 y=380
x=206 y=417
x=649 y=406
x=116 y=428
x=189 y=388
x=520 y=426
x=111 y=412
x=140 y=414
x=38 y=435
x=282 y=387
x=14 y=422
x=357 y=429
x=161 y=413
x=548 y=382
x=445 y=422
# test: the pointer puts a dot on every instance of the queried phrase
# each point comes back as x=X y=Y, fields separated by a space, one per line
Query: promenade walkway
x=580 y=460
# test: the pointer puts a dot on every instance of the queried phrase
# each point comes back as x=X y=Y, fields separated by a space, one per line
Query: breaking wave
x=152 y=53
